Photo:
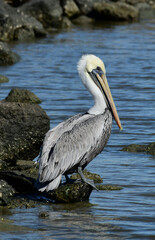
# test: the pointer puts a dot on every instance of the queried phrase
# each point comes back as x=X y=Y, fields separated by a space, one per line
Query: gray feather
x=73 y=143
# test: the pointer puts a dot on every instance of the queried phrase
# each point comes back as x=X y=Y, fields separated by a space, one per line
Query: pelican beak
x=104 y=84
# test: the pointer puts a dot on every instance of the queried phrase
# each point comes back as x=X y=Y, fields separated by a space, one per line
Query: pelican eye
x=99 y=69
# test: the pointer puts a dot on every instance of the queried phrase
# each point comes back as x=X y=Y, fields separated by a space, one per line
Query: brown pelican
x=72 y=144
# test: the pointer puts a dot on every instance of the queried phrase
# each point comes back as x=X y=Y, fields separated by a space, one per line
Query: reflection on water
x=48 y=68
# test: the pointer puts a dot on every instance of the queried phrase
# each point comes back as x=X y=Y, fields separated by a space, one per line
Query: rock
x=15 y=25
x=22 y=176
x=83 y=21
x=22 y=130
x=85 y=6
x=108 y=187
x=69 y=193
x=23 y=96
x=16 y=3
x=150 y=148
x=6 y=192
x=47 y=12
x=44 y=215
x=66 y=23
x=70 y=8
x=95 y=177
x=20 y=182
x=7 y=57
x=3 y=79
x=145 y=11
x=24 y=184
x=117 y=11
x=3 y=165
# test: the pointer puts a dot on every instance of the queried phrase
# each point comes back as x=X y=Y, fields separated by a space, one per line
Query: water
x=48 y=68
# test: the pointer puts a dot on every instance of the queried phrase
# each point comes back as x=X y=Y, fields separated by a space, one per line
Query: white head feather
x=85 y=65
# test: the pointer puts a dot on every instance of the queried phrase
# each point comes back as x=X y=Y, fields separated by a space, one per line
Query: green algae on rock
x=70 y=193
x=95 y=177
x=23 y=96
x=6 y=192
x=7 y=57
x=22 y=176
x=22 y=130
x=108 y=187
x=3 y=79
x=150 y=148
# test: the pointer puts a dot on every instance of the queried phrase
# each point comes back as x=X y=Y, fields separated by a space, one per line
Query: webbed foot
x=86 y=180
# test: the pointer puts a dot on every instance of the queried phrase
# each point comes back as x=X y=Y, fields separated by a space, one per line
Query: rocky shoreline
x=28 y=19
x=17 y=187
x=23 y=20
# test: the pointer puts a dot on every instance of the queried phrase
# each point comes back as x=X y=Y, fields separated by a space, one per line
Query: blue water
x=48 y=68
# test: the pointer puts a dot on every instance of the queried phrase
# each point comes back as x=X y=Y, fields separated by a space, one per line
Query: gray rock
x=145 y=11
x=19 y=182
x=3 y=165
x=66 y=23
x=6 y=193
x=23 y=96
x=47 y=12
x=150 y=148
x=70 y=8
x=7 y=57
x=3 y=79
x=83 y=21
x=24 y=185
x=117 y=11
x=86 y=6
x=70 y=193
x=16 y=3
x=15 y=25
x=93 y=176
x=22 y=130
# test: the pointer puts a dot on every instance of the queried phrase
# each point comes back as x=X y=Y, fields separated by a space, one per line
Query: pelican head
x=93 y=75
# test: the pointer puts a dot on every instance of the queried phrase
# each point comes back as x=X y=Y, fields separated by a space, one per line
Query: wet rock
x=15 y=25
x=70 y=8
x=23 y=96
x=69 y=193
x=83 y=20
x=7 y=57
x=146 y=11
x=85 y=6
x=6 y=193
x=117 y=11
x=22 y=130
x=20 y=182
x=95 y=177
x=43 y=214
x=150 y=148
x=47 y=12
x=66 y=23
x=16 y=3
x=3 y=79
x=3 y=165
x=108 y=187
x=22 y=177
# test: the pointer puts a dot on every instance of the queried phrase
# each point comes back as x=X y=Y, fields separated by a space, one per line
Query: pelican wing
x=52 y=137
x=72 y=146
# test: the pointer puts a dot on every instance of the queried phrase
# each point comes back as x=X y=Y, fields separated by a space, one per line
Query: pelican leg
x=68 y=180
x=84 y=179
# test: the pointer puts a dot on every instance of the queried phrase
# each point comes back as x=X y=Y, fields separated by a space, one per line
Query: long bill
x=104 y=83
